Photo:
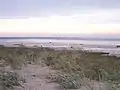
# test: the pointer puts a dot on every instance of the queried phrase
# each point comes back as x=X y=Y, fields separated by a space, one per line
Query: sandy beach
x=109 y=47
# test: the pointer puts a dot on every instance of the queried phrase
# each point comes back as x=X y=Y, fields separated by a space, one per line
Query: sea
x=108 y=46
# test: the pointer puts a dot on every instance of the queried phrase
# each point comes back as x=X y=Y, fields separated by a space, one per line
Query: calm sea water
x=84 y=42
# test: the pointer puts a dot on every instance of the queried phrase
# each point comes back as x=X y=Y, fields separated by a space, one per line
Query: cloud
x=81 y=21
x=37 y=8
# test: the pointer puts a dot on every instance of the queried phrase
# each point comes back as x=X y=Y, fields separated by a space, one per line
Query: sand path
x=35 y=76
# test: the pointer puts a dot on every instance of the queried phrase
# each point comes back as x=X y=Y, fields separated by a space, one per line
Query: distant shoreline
x=108 y=51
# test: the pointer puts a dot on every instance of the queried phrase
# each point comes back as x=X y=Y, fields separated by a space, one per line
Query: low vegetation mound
x=74 y=65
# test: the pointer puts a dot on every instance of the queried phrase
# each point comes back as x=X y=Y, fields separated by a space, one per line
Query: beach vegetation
x=75 y=66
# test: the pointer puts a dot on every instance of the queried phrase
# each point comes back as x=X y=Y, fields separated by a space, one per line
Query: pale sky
x=23 y=17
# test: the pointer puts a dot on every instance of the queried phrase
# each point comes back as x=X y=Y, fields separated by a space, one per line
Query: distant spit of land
x=63 y=38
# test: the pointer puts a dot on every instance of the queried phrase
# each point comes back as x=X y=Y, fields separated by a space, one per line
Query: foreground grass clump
x=94 y=66
x=68 y=80
x=8 y=80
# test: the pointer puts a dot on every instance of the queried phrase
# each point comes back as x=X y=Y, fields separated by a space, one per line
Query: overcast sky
x=18 y=17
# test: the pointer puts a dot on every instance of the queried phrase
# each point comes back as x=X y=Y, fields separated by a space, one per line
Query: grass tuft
x=9 y=79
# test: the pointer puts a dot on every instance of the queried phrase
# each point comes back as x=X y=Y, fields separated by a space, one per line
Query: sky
x=49 y=17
